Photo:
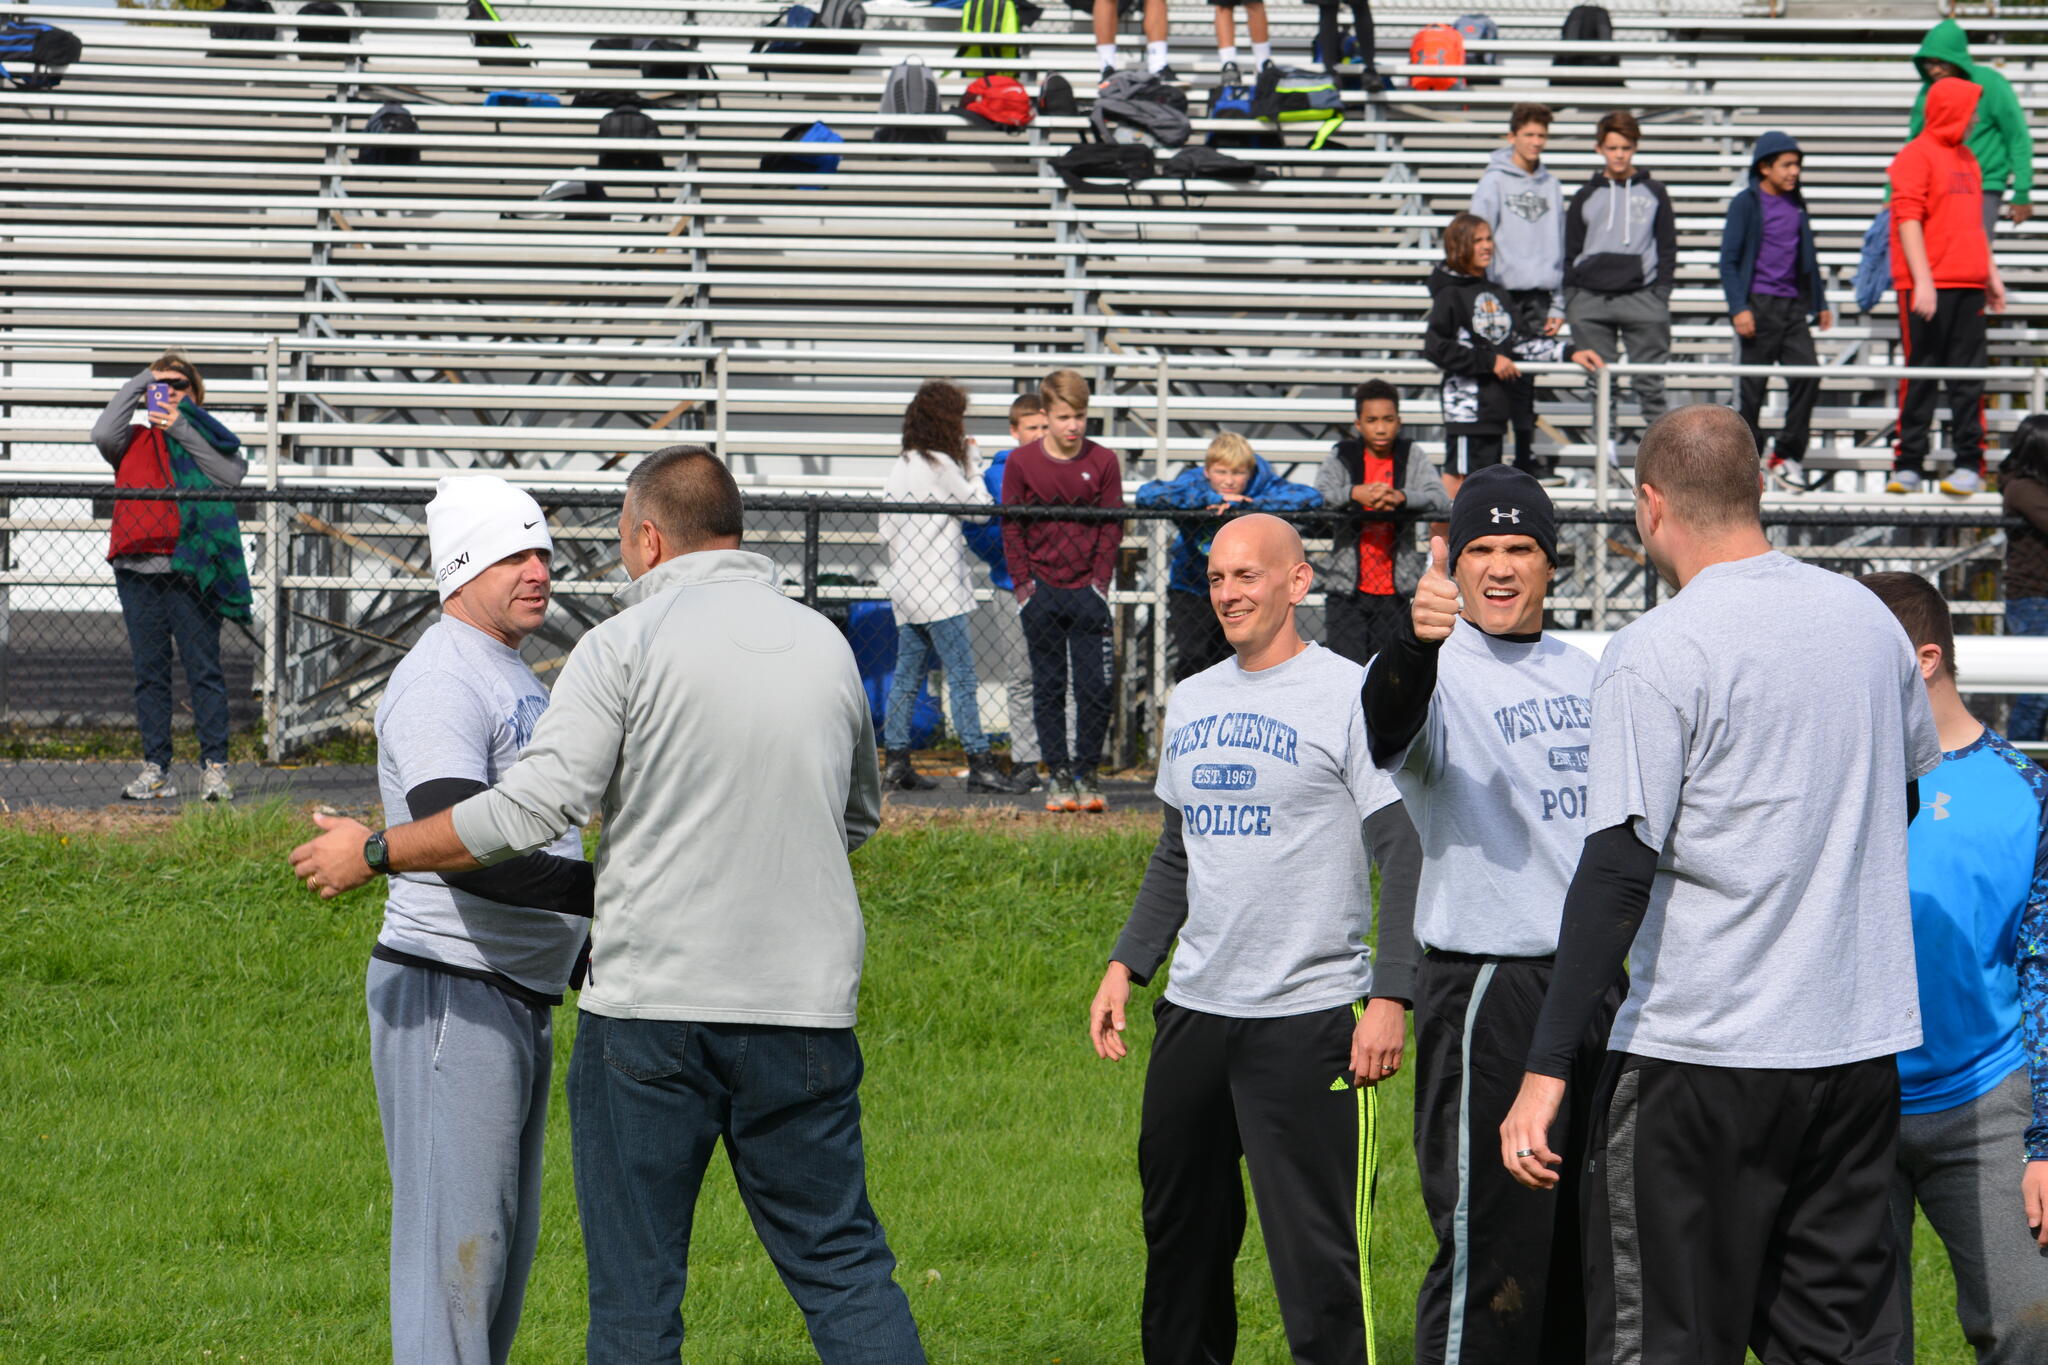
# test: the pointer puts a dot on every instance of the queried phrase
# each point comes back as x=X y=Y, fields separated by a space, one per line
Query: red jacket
x=144 y=528
x=1066 y=554
x=1936 y=183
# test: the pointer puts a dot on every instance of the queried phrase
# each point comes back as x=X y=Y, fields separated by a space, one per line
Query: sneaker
x=1904 y=481
x=1546 y=473
x=1372 y=82
x=984 y=774
x=1059 y=792
x=1790 y=473
x=1107 y=72
x=214 y=785
x=1229 y=75
x=1088 y=792
x=1168 y=74
x=149 y=785
x=1025 y=775
x=1962 y=481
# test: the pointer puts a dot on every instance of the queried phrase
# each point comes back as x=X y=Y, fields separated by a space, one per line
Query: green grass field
x=193 y=1169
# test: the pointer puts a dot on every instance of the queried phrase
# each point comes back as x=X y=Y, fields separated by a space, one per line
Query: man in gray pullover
x=725 y=731
x=1521 y=201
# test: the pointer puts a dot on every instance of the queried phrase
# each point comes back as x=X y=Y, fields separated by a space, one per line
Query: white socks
x=1106 y=53
x=1261 y=53
x=1226 y=56
x=1155 y=56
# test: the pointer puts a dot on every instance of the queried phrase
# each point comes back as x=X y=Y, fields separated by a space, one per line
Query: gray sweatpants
x=1963 y=1166
x=1640 y=321
x=462 y=1086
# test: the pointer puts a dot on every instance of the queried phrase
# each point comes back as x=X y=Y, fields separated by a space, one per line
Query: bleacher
x=183 y=187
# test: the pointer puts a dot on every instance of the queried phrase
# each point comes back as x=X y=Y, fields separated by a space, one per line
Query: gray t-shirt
x=1271 y=774
x=462 y=704
x=1760 y=727
x=1495 y=783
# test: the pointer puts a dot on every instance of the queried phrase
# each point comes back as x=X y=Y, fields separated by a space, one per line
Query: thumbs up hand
x=1435 y=609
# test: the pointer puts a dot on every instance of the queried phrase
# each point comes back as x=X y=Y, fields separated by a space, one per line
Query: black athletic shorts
x=1466 y=454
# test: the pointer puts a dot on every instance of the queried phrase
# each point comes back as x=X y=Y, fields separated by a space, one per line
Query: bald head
x=1703 y=460
x=1260 y=538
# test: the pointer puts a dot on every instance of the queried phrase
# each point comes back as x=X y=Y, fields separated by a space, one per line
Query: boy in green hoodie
x=1999 y=138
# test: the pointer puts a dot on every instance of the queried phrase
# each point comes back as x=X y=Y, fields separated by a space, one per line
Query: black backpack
x=1206 y=163
x=629 y=121
x=391 y=120
x=1056 y=98
x=33 y=55
x=329 y=10
x=241 y=33
x=1124 y=162
x=1588 y=24
x=482 y=11
x=650 y=70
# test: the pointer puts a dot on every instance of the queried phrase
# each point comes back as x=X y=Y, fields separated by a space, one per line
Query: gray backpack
x=1142 y=105
x=910 y=89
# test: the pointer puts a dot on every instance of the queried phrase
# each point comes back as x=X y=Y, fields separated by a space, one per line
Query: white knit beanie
x=474 y=521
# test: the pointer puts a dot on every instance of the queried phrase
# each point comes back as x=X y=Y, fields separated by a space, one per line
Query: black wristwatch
x=377 y=855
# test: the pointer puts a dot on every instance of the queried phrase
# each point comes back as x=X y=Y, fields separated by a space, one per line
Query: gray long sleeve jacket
x=1424 y=487
x=114 y=429
x=725 y=730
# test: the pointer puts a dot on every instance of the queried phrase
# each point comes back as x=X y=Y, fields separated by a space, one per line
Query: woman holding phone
x=177 y=565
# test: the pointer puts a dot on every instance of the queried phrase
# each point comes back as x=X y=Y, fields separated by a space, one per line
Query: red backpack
x=1437 y=45
x=998 y=100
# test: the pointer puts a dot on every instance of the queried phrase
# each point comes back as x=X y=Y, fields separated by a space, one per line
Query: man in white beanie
x=468 y=965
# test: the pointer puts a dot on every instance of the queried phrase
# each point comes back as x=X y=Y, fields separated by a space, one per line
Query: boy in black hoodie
x=1473 y=337
x=1621 y=260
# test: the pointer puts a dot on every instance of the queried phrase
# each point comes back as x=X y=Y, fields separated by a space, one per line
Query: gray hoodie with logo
x=1526 y=212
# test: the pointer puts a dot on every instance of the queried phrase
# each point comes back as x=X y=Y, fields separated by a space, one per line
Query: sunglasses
x=179 y=385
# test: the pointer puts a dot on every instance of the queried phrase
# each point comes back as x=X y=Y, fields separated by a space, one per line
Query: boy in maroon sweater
x=1063 y=571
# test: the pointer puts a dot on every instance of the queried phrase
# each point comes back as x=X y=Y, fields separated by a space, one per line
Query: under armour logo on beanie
x=474 y=521
x=1503 y=500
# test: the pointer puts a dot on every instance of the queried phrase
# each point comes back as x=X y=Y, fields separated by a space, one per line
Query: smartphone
x=159 y=398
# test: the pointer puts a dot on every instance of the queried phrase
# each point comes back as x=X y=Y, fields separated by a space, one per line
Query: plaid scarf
x=209 y=538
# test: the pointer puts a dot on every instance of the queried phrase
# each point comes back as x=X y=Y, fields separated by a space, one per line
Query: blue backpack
x=1874 y=270
x=1235 y=102
x=807 y=163
x=795 y=17
x=44 y=47
x=523 y=99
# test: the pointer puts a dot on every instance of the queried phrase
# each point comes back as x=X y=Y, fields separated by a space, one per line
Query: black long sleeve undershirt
x=1397 y=690
x=540 y=880
x=1609 y=894
x=1161 y=906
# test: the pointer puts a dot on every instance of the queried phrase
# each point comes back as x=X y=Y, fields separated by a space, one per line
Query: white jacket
x=927 y=578
x=725 y=730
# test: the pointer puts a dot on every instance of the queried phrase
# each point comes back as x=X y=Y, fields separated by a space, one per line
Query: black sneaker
x=897 y=773
x=1371 y=81
x=985 y=775
x=1168 y=74
x=1107 y=72
x=1229 y=75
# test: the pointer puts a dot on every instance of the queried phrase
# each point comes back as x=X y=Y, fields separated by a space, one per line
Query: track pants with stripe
x=1740 y=1208
x=1505 y=1287
x=1277 y=1093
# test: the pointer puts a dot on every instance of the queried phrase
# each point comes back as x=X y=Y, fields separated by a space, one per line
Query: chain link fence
x=341 y=587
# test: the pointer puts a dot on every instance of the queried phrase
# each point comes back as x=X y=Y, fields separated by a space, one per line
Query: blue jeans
x=2026 y=616
x=648 y=1100
x=914 y=647
x=159 y=608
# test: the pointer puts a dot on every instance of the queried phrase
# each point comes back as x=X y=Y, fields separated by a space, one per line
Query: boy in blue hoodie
x=1232 y=479
x=1771 y=280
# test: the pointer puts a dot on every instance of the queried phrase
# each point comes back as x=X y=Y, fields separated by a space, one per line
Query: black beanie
x=1501 y=500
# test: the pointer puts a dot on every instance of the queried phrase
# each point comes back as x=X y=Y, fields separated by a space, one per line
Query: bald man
x=1266 y=1047
x=1747 y=796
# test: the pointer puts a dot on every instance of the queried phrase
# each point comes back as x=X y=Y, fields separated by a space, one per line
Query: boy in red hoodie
x=1942 y=268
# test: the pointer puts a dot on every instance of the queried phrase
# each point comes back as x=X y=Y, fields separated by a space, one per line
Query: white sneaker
x=1962 y=481
x=149 y=785
x=214 y=786
x=1904 y=481
x=1790 y=473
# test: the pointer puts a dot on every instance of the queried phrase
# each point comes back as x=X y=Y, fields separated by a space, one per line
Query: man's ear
x=1929 y=657
x=1300 y=579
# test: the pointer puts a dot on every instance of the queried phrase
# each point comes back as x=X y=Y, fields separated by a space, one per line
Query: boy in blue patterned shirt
x=1975 y=1092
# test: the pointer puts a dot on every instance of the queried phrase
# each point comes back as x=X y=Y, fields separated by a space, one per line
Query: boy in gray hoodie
x=1524 y=205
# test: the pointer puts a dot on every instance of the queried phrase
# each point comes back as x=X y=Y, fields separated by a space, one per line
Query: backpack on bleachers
x=806 y=163
x=1206 y=163
x=1874 y=266
x=33 y=55
x=522 y=99
x=1121 y=162
x=831 y=14
x=1235 y=102
x=391 y=120
x=1143 y=104
x=1437 y=45
x=241 y=33
x=910 y=89
x=629 y=121
x=1286 y=95
x=1479 y=27
x=325 y=9
x=990 y=16
x=481 y=11
x=1588 y=24
x=1000 y=102
x=1056 y=98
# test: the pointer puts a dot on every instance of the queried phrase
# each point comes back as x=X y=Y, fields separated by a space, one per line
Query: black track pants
x=1275 y=1092
x=1504 y=1288
x=1738 y=1208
